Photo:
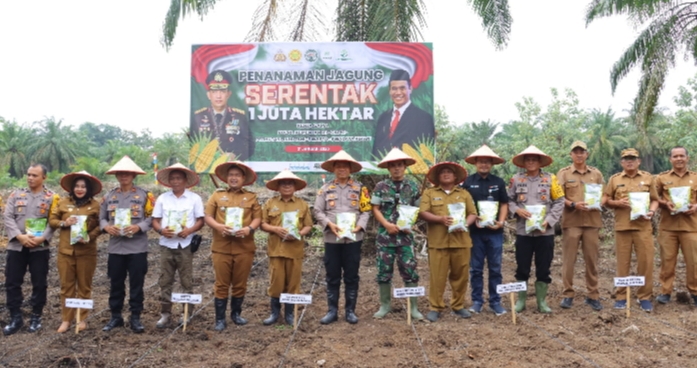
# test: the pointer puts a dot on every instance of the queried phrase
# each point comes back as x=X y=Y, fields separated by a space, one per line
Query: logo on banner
x=327 y=55
x=295 y=55
x=344 y=56
x=280 y=56
x=311 y=55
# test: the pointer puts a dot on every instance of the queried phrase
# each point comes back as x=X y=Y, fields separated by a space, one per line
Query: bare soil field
x=578 y=337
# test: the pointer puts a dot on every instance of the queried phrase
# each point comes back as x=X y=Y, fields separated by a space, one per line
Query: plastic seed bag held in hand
x=459 y=216
x=639 y=201
x=122 y=219
x=233 y=218
x=176 y=220
x=680 y=196
x=78 y=230
x=407 y=216
x=346 y=223
x=291 y=222
x=487 y=213
x=537 y=217
x=592 y=195
x=35 y=226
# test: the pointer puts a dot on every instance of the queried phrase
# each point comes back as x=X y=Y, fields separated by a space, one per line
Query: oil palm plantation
x=55 y=145
x=14 y=139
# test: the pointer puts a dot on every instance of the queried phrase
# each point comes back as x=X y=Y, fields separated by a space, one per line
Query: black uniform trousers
x=135 y=266
x=342 y=258
x=542 y=248
x=16 y=268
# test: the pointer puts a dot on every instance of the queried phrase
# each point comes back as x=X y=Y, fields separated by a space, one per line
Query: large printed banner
x=293 y=105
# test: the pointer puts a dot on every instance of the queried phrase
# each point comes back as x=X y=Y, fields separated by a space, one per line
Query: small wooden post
x=512 y=307
x=628 y=296
x=295 y=316
x=77 y=324
x=409 y=311
x=186 y=315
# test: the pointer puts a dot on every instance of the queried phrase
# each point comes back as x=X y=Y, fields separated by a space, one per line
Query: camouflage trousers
x=406 y=263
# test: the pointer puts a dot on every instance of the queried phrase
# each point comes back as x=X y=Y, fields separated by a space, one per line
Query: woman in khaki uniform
x=76 y=261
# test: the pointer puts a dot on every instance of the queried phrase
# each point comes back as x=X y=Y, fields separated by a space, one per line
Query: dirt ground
x=577 y=337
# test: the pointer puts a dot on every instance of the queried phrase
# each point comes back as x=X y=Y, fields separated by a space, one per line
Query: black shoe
x=595 y=304
x=663 y=298
x=16 y=322
x=566 y=303
x=135 y=323
x=463 y=313
x=275 y=312
x=332 y=306
x=220 y=307
x=432 y=316
x=115 y=321
x=34 y=322
x=236 y=310
x=289 y=314
x=351 y=297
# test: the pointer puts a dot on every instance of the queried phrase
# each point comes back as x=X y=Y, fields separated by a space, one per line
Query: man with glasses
x=632 y=234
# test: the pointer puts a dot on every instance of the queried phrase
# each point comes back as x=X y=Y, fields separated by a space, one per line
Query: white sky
x=87 y=60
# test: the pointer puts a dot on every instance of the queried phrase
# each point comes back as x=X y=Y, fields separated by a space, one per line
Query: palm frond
x=639 y=10
x=309 y=21
x=178 y=9
x=263 y=22
x=496 y=20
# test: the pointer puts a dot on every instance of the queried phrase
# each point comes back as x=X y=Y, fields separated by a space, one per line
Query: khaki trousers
x=642 y=243
x=231 y=269
x=285 y=275
x=589 y=239
x=448 y=264
x=76 y=282
x=671 y=242
x=171 y=261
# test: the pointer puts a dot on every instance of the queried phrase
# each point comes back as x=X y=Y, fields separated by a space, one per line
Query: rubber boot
x=16 y=322
x=332 y=307
x=289 y=314
x=520 y=303
x=351 y=297
x=220 y=307
x=275 y=312
x=236 y=311
x=415 y=314
x=115 y=321
x=385 y=300
x=136 y=324
x=541 y=294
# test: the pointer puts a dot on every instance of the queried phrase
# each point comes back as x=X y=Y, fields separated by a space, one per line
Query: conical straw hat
x=68 y=180
x=125 y=164
x=191 y=177
x=519 y=159
x=286 y=175
x=460 y=172
x=486 y=152
x=396 y=155
x=341 y=156
x=249 y=175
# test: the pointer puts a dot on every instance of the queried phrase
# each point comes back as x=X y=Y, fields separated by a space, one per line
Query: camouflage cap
x=579 y=144
x=629 y=152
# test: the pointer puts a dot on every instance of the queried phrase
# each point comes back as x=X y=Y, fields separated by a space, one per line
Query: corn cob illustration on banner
x=205 y=154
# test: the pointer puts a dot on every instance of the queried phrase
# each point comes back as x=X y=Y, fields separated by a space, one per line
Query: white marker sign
x=296 y=299
x=630 y=281
x=511 y=288
x=79 y=303
x=408 y=292
x=186 y=298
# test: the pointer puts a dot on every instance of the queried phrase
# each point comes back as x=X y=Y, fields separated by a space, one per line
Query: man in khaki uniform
x=678 y=227
x=448 y=252
x=580 y=224
x=636 y=233
x=285 y=249
x=232 y=249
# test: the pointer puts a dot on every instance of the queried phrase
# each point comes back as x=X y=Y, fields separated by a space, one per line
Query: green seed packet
x=680 y=196
x=346 y=222
x=122 y=219
x=78 y=231
x=592 y=194
x=175 y=220
x=459 y=216
x=407 y=216
x=291 y=222
x=487 y=213
x=234 y=217
x=537 y=218
x=35 y=226
x=639 y=201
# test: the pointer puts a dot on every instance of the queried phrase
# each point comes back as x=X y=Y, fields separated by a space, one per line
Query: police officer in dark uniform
x=27 y=250
x=221 y=121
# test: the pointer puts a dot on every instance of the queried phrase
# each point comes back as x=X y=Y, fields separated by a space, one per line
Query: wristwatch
x=251 y=229
x=573 y=205
x=159 y=231
x=62 y=224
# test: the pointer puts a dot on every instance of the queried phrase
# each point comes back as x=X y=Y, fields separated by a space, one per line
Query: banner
x=293 y=105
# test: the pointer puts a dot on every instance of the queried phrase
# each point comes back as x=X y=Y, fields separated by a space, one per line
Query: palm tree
x=14 y=139
x=356 y=20
x=606 y=137
x=670 y=28
x=55 y=146
x=172 y=148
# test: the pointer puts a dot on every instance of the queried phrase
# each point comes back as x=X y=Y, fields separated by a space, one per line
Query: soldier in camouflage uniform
x=393 y=243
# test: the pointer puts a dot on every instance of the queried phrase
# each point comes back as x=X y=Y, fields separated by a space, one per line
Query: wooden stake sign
x=296 y=299
x=409 y=292
x=186 y=299
x=627 y=282
x=79 y=304
x=511 y=289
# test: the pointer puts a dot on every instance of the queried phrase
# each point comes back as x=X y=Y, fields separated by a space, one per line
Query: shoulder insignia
x=566 y=168
x=663 y=172
x=319 y=192
x=221 y=190
x=201 y=110
x=239 y=111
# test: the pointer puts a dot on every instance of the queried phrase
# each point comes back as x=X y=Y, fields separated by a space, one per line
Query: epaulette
x=616 y=174
x=244 y=189
x=566 y=168
x=664 y=172
x=593 y=168
x=221 y=190
x=201 y=110
x=642 y=172
x=237 y=110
